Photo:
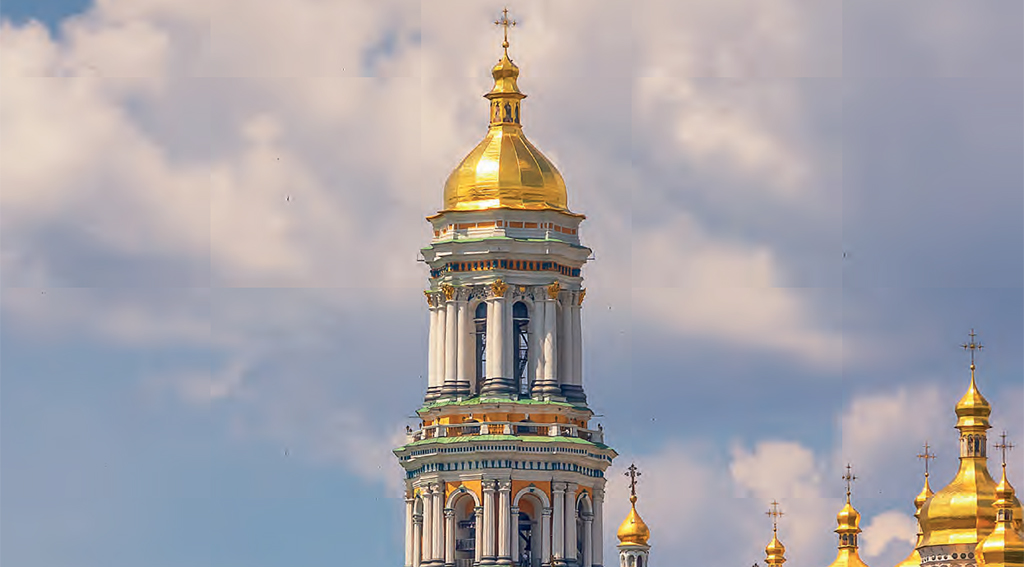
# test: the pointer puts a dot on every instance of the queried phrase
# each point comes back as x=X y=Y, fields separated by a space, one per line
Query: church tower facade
x=504 y=468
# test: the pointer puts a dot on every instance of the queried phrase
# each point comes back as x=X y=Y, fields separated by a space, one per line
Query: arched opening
x=584 y=512
x=521 y=346
x=480 y=323
x=465 y=530
x=528 y=539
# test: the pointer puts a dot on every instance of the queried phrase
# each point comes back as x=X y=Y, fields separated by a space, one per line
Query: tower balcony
x=516 y=428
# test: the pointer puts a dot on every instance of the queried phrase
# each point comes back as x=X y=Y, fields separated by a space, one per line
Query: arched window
x=520 y=345
x=639 y=561
x=480 y=322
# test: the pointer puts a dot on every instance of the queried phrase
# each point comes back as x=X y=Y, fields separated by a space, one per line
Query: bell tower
x=504 y=467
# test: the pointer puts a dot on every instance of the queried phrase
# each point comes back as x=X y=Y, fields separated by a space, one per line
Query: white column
x=505 y=344
x=428 y=524
x=479 y=546
x=513 y=535
x=417 y=540
x=449 y=537
x=598 y=529
x=577 y=346
x=550 y=339
x=451 y=344
x=570 y=521
x=558 y=521
x=493 y=370
x=489 y=535
x=545 y=536
x=438 y=523
x=409 y=529
x=588 y=541
x=440 y=342
x=504 y=503
x=565 y=342
x=431 y=349
x=465 y=364
x=537 y=342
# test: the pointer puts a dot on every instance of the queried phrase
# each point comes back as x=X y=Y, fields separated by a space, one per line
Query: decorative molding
x=448 y=290
x=554 y=289
x=498 y=288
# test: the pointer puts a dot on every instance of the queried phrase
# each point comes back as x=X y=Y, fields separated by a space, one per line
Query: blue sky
x=213 y=331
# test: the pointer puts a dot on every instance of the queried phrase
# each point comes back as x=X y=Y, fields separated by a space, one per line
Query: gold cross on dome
x=972 y=346
x=849 y=477
x=505 y=23
x=926 y=456
x=1004 y=447
x=774 y=513
x=632 y=472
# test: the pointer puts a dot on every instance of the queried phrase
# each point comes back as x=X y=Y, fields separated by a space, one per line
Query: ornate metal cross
x=849 y=477
x=505 y=23
x=774 y=513
x=926 y=456
x=1004 y=446
x=972 y=346
x=632 y=472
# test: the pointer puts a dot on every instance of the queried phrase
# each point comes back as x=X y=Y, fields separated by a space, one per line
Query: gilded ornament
x=554 y=289
x=430 y=300
x=498 y=288
x=448 y=290
x=583 y=293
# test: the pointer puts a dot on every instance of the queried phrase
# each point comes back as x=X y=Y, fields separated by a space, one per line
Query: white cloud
x=689 y=282
x=890 y=527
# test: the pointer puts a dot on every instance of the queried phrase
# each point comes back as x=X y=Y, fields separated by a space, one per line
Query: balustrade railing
x=517 y=428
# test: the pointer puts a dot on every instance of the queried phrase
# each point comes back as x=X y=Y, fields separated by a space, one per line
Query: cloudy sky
x=213 y=329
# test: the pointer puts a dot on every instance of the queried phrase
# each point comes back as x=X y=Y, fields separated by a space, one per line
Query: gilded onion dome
x=633 y=530
x=505 y=170
x=848 y=520
x=775 y=552
x=1004 y=547
x=914 y=559
x=963 y=511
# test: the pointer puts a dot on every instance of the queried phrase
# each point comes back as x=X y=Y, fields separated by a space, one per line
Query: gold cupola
x=914 y=559
x=633 y=530
x=775 y=552
x=1004 y=547
x=505 y=170
x=962 y=512
x=849 y=526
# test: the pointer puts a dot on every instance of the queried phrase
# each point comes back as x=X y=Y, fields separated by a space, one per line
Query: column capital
x=504 y=485
x=597 y=494
x=478 y=511
x=417 y=518
x=449 y=513
x=487 y=485
x=558 y=486
x=546 y=511
x=571 y=486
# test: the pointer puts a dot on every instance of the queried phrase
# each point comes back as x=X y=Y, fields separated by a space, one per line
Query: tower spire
x=633 y=534
x=848 y=528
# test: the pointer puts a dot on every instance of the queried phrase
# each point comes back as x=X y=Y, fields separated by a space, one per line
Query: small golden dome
x=633 y=529
x=775 y=552
x=914 y=559
x=505 y=170
x=1004 y=546
x=848 y=518
x=973 y=410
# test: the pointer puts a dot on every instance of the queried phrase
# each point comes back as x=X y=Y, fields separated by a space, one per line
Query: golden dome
x=1003 y=547
x=973 y=409
x=505 y=170
x=633 y=529
x=775 y=552
x=848 y=518
x=962 y=512
x=914 y=559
